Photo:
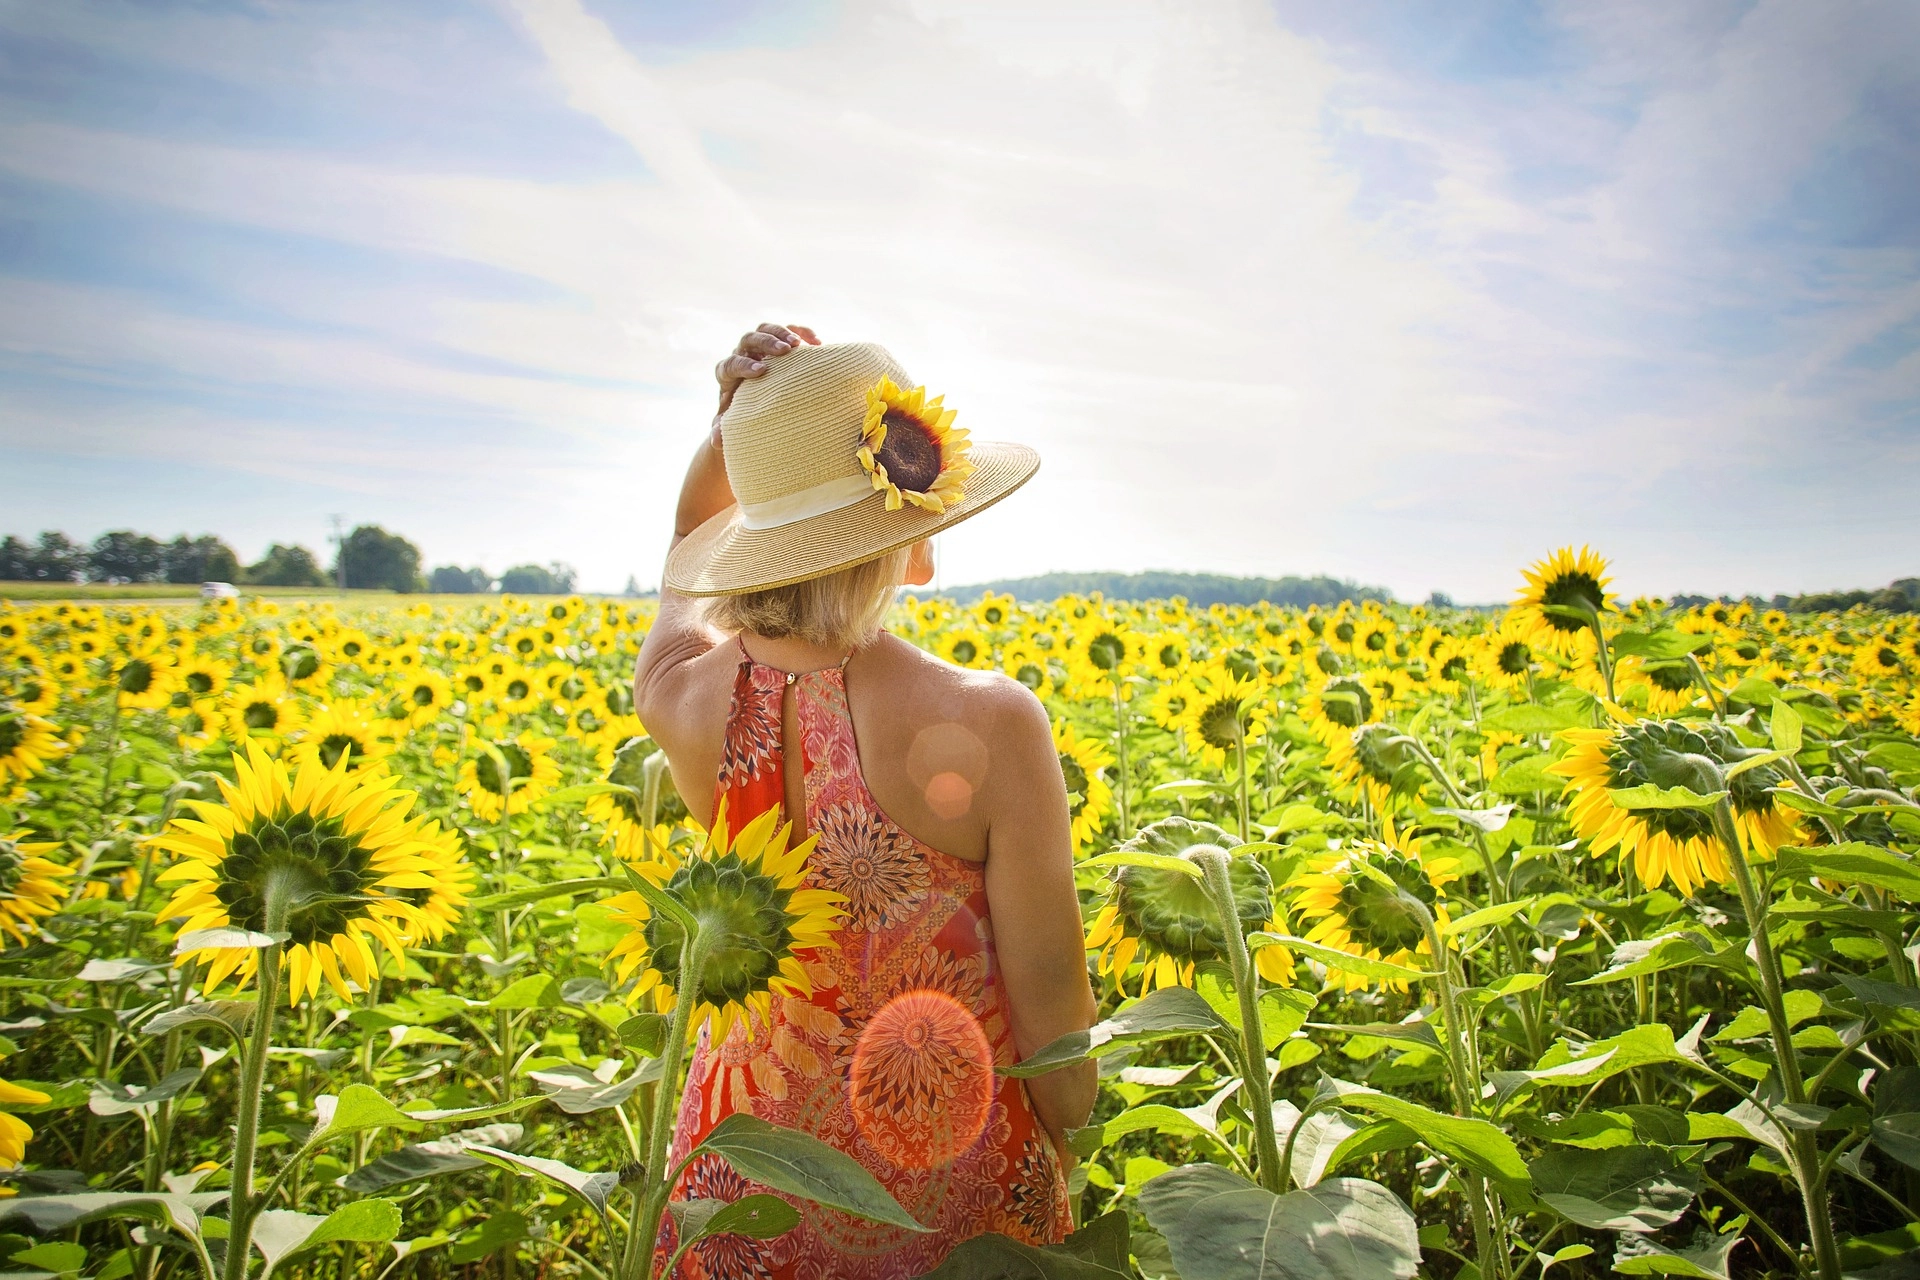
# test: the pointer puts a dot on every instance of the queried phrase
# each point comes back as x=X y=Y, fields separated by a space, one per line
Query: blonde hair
x=842 y=610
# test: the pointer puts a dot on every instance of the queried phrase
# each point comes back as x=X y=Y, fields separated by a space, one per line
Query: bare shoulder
x=992 y=705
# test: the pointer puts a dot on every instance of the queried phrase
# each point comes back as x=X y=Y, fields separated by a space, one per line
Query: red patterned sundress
x=916 y=919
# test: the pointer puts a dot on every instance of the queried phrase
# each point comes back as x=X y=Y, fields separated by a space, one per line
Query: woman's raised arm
x=678 y=634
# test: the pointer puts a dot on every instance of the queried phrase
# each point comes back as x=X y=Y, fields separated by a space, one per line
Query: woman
x=934 y=791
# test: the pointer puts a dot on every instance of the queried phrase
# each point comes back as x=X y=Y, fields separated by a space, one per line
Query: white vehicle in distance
x=219 y=591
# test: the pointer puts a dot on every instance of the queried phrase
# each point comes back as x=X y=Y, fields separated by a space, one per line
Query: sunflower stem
x=1463 y=1068
x=1713 y=694
x=1600 y=643
x=108 y=749
x=1240 y=752
x=1253 y=1049
x=1120 y=738
x=244 y=1205
x=645 y=1233
x=1803 y=1148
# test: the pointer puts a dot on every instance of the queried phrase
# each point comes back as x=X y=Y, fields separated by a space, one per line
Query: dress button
x=792 y=676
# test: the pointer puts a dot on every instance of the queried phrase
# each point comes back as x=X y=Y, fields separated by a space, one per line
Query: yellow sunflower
x=1667 y=844
x=1338 y=707
x=911 y=449
x=965 y=648
x=1504 y=656
x=27 y=744
x=531 y=772
x=265 y=709
x=199 y=678
x=422 y=697
x=1029 y=667
x=1569 y=580
x=1367 y=762
x=30 y=886
x=1359 y=901
x=1084 y=762
x=16 y=1133
x=1667 y=686
x=1166 y=920
x=346 y=729
x=632 y=767
x=1224 y=710
x=749 y=894
x=143 y=679
x=330 y=857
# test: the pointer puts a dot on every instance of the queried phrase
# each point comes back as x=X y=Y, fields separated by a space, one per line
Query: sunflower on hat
x=912 y=450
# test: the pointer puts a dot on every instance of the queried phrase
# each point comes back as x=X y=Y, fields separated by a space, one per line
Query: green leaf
x=761 y=1217
x=1169 y=1011
x=280 y=1233
x=1525 y=776
x=644 y=1033
x=110 y=1099
x=1641 y=956
x=1475 y=1143
x=1299 y=817
x=1486 y=821
x=1755 y=761
x=1855 y=863
x=1615 y=1188
x=1636 y=1255
x=358 y=1108
x=47 y=1214
x=544 y=892
x=497 y=1232
x=1650 y=796
x=1098 y=1251
x=1600 y=1060
x=1531 y=718
x=1222 y=1227
x=419 y=1160
x=581 y=791
x=1786 y=728
x=1316 y=1139
x=1155 y=1117
x=594 y=1188
x=1334 y=958
x=1151 y=861
x=535 y=991
x=1896 y=1114
x=56 y=1255
x=1660 y=646
x=579 y=1092
x=1485 y=917
x=239 y=939
x=1896 y=1007
x=800 y=1165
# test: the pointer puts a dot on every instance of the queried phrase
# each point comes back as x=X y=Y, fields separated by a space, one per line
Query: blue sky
x=1411 y=292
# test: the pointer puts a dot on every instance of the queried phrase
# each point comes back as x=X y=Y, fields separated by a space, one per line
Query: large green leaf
x=1170 y=1011
x=45 y=1214
x=1614 y=1188
x=579 y=1092
x=1563 y=1066
x=542 y=892
x=801 y=1165
x=1638 y=957
x=1896 y=1114
x=230 y=1016
x=1531 y=717
x=419 y=1160
x=280 y=1233
x=1179 y=1122
x=357 y=1109
x=1098 y=1251
x=1896 y=1007
x=594 y=1188
x=110 y=1099
x=1475 y=1143
x=535 y=991
x=1855 y=863
x=1636 y=1255
x=1222 y=1227
x=761 y=1217
x=1661 y=646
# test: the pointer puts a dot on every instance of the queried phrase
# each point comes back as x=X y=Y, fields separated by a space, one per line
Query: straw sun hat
x=837 y=458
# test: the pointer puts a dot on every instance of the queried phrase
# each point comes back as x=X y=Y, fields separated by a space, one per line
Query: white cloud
x=1132 y=233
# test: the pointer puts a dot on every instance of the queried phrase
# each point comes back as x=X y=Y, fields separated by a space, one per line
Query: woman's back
x=890 y=1057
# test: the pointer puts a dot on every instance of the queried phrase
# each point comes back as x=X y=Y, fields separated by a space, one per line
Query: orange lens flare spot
x=922 y=1080
x=949 y=795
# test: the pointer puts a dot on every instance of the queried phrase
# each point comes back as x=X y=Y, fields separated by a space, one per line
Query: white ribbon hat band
x=791 y=508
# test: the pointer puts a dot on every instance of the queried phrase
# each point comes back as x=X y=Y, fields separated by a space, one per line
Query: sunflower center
x=1454 y=668
x=13 y=732
x=1347 y=702
x=1572 y=590
x=910 y=454
x=965 y=651
x=620 y=700
x=1106 y=650
x=301 y=661
x=518 y=689
x=422 y=695
x=1514 y=657
x=137 y=676
x=1030 y=675
x=261 y=715
x=743 y=911
x=1671 y=678
x=322 y=870
x=519 y=765
x=336 y=745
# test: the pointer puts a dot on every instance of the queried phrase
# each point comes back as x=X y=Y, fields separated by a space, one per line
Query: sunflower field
x=1568 y=940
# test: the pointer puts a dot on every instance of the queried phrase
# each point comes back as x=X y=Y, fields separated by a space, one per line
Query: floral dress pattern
x=916 y=920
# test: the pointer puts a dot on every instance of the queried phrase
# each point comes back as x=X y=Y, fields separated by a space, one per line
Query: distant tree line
x=1200 y=589
x=369 y=558
x=1900 y=596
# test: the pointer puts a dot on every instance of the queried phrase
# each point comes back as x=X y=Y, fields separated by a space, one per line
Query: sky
x=1411 y=293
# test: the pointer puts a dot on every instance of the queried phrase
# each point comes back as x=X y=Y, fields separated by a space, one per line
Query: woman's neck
x=790 y=654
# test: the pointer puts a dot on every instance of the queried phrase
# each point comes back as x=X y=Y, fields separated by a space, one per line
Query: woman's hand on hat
x=749 y=360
